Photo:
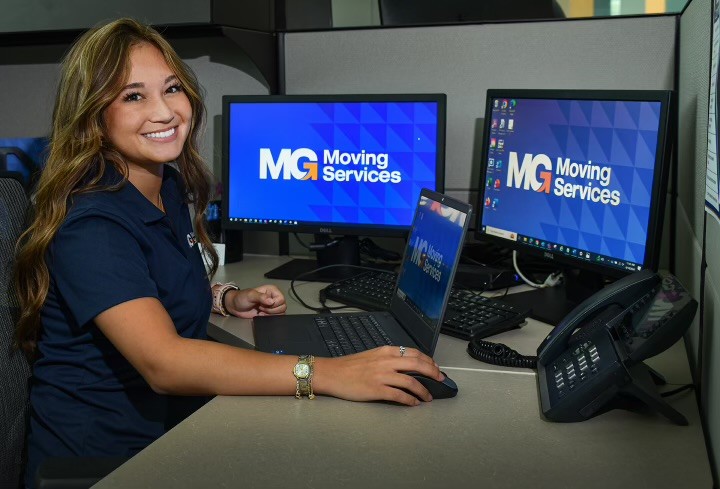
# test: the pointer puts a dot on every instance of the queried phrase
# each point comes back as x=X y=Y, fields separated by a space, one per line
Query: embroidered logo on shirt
x=191 y=239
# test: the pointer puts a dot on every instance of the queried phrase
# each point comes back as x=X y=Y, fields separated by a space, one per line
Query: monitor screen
x=331 y=164
x=578 y=177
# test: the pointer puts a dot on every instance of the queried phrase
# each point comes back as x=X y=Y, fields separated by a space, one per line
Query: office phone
x=594 y=357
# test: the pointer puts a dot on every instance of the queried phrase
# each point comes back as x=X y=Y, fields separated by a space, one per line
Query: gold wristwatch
x=303 y=372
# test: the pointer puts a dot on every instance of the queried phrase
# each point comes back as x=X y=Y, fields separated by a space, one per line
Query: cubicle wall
x=464 y=61
x=694 y=61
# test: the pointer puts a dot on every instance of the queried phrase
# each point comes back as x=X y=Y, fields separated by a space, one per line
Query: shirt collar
x=145 y=209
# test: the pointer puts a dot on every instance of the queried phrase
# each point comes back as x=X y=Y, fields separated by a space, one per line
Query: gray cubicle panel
x=464 y=61
x=693 y=84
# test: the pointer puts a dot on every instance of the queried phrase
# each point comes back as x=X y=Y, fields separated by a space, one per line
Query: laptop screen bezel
x=403 y=312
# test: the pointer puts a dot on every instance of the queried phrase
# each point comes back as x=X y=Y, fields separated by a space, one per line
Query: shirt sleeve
x=96 y=263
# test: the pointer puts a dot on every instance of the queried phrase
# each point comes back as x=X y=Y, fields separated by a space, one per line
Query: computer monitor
x=577 y=178
x=338 y=166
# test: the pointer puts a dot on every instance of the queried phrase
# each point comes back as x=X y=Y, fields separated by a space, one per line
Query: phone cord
x=499 y=354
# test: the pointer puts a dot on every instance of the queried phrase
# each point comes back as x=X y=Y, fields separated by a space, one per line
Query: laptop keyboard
x=345 y=335
x=468 y=314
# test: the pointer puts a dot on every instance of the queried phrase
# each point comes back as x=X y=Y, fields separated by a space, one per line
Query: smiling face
x=149 y=121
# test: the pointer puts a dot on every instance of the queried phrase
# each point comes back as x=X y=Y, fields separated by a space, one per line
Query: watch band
x=303 y=372
x=218 y=297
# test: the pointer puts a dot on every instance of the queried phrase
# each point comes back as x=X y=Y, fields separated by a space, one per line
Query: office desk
x=490 y=435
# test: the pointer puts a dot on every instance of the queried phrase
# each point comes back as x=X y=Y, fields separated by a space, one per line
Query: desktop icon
x=498 y=164
x=493 y=142
x=495 y=103
x=513 y=103
x=491 y=162
x=488 y=202
x=497 y=183
x=511 y=124
x=489 y=182
x=502 y=123
x=504 y=104
x=495 y=203
x=494 y=124
x=500 y=144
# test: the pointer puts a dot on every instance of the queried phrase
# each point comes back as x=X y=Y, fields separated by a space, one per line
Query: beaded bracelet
x=218 y=296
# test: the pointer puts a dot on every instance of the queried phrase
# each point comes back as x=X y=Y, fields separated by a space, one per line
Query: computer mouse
x=439 y=389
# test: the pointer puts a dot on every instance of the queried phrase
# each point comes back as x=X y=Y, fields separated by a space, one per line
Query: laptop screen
x=433 y=247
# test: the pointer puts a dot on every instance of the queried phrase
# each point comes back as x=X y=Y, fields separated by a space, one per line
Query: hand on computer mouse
x=439 y=389
x=376 y=375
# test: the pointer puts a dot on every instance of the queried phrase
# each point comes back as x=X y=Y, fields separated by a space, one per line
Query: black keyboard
x=468 y=314
x=345 y=335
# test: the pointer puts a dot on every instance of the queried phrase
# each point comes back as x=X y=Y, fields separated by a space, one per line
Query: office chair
x=15 y=371
x=32 y=169
x=14 y=367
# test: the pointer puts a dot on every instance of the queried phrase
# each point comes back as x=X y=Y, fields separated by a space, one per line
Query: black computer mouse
x=439 y=389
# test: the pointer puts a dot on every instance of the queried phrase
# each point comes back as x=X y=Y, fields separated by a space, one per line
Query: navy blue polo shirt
x=86 y=398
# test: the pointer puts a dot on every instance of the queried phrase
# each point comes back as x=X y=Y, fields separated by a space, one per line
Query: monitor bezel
x=660 y=178
x=329 y=228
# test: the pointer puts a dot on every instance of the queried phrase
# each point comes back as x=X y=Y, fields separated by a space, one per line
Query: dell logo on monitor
x=549 y=256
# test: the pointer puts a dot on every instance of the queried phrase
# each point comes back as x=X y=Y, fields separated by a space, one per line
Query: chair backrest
x=14 y=368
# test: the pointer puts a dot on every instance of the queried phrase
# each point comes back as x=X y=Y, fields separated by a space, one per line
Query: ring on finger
x=402 y=351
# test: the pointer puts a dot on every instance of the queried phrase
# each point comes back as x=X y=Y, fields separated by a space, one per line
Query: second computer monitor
x=577 y=177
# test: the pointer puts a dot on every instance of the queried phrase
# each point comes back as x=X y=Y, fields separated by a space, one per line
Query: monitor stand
x=551 y=304
x=345 y=252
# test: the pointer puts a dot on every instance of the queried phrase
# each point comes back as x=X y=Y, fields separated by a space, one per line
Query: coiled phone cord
x=499 y=354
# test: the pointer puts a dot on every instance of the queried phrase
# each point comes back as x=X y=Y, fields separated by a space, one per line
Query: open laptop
x=418 y=304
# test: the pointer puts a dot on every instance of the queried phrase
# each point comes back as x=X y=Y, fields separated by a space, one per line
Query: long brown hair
x=93 y=74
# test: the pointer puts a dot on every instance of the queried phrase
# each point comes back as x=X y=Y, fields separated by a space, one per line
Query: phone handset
x=622 y=292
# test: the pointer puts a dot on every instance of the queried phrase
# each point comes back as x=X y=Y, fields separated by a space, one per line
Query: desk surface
x=490 y=435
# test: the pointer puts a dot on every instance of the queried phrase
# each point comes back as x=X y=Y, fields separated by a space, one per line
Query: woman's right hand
x=376 y=375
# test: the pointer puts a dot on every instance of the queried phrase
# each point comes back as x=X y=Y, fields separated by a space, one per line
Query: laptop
x=417 y=306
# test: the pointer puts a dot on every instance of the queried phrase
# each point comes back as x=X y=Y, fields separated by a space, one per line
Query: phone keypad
x=582 y=363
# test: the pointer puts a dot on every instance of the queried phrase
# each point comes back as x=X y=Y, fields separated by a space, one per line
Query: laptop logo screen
x=435 y=239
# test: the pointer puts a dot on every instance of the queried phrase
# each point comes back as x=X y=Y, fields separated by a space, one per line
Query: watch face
x=301 y=371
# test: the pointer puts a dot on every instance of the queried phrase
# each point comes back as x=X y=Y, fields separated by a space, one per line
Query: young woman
x=114 y=294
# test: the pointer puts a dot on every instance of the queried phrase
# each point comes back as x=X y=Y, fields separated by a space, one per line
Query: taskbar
x=580 y=254
x=282 y=222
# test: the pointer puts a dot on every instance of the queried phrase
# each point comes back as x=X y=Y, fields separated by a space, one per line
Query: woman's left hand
x=259 y=301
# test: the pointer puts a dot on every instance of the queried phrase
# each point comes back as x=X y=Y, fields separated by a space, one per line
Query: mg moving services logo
x=303 y=164
x=427 y=258
x=536 y=173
